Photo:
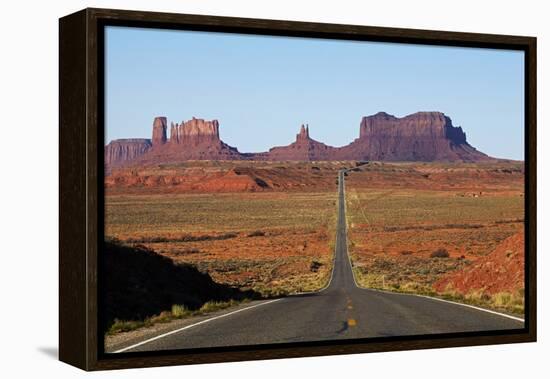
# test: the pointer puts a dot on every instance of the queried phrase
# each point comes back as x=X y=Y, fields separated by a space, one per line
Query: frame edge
x=72 y=192
x=78 y=154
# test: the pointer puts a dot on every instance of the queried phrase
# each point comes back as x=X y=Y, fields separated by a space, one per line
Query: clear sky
x=262 y=88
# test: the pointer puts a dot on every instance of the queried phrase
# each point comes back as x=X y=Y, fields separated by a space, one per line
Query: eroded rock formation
x=422 y=136
x=196 y=139
x=303 y=149
x=195 y=132
x=124 y=150
x=159 y=131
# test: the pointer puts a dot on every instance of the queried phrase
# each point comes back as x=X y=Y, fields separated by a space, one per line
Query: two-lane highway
x=341 y=310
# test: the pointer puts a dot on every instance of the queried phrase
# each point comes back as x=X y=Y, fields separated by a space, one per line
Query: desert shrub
x=440 y=253
x=183 y=238
x=314 y=266
x=224 y=236
x=477 y=297
x=261 y=183
x=179 y=311
x=212 y=306
x=147 y=240
x=513 y=302
x=187 y=251
x=257 y=233
x=119 y=326
x=415 y=287
x=406 y=252
x=502 y=299
x=164 y=316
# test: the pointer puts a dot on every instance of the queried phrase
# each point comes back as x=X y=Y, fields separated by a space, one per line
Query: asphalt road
x=340 y=311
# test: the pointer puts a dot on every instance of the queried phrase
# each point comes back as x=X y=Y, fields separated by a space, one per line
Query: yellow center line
x=351 y=321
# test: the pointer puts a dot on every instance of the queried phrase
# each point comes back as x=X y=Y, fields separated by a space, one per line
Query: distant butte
x=422 y=136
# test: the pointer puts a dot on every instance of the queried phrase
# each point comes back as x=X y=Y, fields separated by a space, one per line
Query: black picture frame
x=81 y=142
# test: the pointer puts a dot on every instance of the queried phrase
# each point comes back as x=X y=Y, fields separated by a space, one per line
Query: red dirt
x=500 y=271
x=479 y=179
x=229 y=178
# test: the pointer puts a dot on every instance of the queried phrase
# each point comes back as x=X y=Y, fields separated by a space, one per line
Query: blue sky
x=261 y=88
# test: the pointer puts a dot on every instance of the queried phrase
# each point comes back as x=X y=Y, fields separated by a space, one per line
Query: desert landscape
x=426 y=214
x=454 y=230
x=273 y=241
x=264 y=190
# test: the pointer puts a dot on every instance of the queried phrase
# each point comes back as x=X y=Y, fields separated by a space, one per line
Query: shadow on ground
x=138 y=283
x=49 y=351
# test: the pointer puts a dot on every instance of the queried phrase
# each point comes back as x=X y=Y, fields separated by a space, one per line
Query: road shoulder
x=116 y=342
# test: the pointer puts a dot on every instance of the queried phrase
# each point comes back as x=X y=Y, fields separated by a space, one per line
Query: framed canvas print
x=237 y=189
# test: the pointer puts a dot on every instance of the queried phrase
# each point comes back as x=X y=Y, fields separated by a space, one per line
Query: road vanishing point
x=341 y=310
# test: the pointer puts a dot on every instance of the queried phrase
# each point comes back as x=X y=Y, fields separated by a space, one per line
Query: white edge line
x=447 y=301
x=193 y=325
x=474 y=307
x=243 y=309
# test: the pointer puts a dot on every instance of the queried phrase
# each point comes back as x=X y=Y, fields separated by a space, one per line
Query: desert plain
x=453 y=230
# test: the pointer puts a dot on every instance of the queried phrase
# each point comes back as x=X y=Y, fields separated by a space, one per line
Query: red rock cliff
x=123 y=150
x=422 y=136
x=195 y=132
x=159 y=131
x=196 y=139
x=303 y=149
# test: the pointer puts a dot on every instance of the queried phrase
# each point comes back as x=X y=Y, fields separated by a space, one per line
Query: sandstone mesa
x=422 y=136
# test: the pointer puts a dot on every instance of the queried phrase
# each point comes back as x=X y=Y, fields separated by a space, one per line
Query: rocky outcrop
x=303 y=135
x=196 y=139
x=159 y=131
x=422 y=136
x=123 y=150
x=215 y=177
x=303 y=149
x=502 y=270
x=195 y=132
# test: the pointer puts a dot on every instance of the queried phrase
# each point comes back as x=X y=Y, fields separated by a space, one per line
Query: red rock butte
x=422 y=136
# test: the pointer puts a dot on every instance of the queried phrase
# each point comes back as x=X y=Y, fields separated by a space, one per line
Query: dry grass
x=513 y=303
x=177 y=312
x=409 y=224
x=261 y=241
x=389 y=222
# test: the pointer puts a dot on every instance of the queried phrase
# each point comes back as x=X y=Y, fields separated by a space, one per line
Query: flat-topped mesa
x=159 y=131
x=196 y=139
x=416 y=125
x=196 y=131
x=122 y=150
x=421 y=136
